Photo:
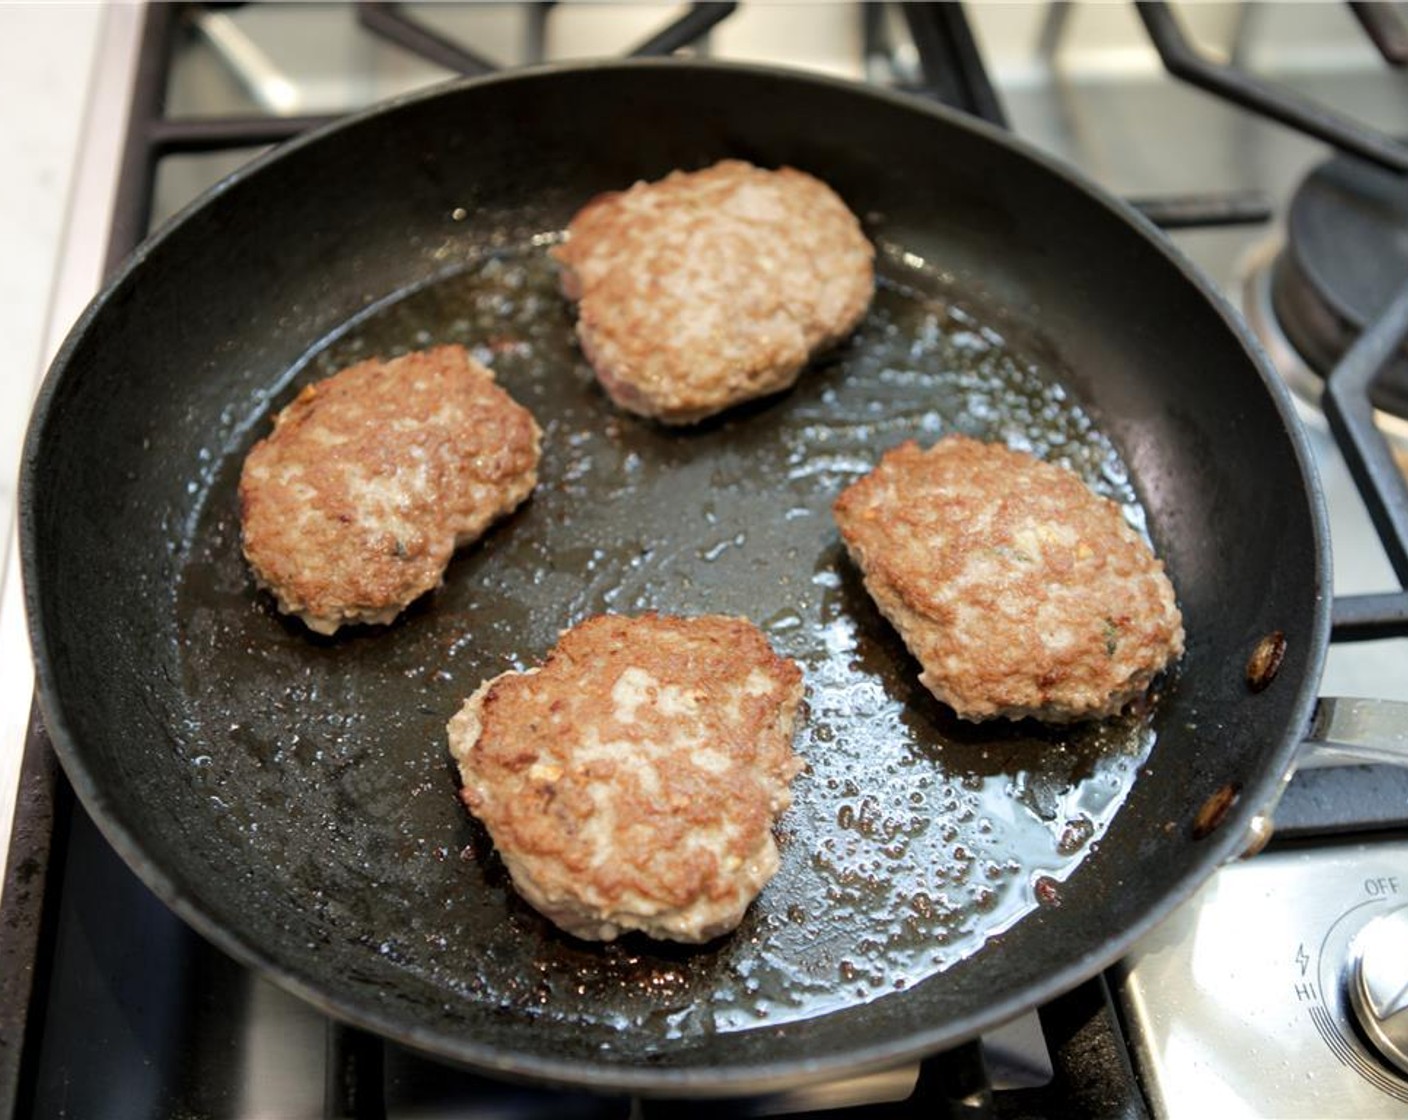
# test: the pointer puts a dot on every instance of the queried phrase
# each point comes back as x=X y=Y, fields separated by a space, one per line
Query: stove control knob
x=1378 y=984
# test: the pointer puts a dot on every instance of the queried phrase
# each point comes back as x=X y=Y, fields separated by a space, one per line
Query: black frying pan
x=290 y=796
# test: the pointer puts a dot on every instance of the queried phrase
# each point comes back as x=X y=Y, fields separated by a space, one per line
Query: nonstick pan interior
x=291 y=794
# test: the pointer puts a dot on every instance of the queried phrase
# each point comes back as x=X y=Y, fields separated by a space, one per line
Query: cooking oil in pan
x=913 y=839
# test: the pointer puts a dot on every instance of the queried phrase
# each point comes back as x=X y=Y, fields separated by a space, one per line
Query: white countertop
x=45 y=65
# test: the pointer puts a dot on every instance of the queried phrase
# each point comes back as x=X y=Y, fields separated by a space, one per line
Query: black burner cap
x=1346 y=254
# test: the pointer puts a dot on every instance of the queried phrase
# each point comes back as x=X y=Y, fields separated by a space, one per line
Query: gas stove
x=1279 y=990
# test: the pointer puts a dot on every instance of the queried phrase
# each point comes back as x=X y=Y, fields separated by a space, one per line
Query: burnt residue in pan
x=913 y=837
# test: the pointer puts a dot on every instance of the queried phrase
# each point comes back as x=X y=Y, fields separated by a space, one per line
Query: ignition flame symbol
x=1302 y=958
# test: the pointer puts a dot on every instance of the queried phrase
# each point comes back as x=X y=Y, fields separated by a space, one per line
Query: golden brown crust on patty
x=1020 y=591
x=632 y=782
x=709 y=288
x=354 y=504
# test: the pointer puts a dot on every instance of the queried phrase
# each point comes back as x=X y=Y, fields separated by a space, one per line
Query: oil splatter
x=913 y=838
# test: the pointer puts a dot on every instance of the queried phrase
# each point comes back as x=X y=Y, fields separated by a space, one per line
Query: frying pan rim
x=1221 y=846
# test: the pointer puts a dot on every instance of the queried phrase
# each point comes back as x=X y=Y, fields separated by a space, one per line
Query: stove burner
x=1346 y=253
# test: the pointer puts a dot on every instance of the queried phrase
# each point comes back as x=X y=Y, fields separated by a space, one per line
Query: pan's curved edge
x=1225 y=844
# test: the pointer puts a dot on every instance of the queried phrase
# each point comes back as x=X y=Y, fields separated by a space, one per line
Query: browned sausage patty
x=371 y=479
x=632 y=781
x=1020 y=591
x=714 y=287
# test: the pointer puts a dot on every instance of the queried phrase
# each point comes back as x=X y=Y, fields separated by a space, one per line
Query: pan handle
x=1346 y=730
